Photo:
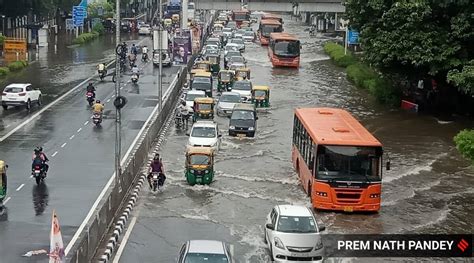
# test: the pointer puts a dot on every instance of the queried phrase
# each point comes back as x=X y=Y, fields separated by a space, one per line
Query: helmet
x=133 y=45
x=156 y=157
x=97 y=101
x=183 y=102
x=40 y=149
x=90 y=83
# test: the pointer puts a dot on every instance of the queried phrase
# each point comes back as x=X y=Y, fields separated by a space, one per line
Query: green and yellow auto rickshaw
x=175 y=19
x=226 y=80
x=215 y=60
x=261 y=96
x=167 y=22
x=199 y=165
x=202 y=80
x=204 y=65
x=203 y=109
x=242 y=73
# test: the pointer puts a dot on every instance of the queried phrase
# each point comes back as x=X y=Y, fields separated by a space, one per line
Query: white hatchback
x=20 y=95
x=292 y=234
x=205 y=134
x=144 y=30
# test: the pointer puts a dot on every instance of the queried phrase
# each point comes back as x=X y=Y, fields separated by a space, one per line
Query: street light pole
x=118 y=138
x=160 y=53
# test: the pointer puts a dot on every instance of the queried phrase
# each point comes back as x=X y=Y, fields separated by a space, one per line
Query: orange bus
x=265 y=28
x=338 y=161
x=284 y=50
x=240 y=15
x=273 y=17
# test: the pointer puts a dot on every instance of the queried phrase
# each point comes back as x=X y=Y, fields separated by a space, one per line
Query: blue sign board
x=79 y=13
x=353 y=37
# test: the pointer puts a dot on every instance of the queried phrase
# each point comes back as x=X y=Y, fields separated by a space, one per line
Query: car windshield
x=233 y=53
x=226 y=29
x=201 y=85
x=237 y=59
x=202 y=79
x=242 y=115
x=13 y=90
x=237 y=41
x=346 y=163
x=248 y=33
x=231 y=48
x=287 y=48
x=211 y=47
x=242 y=85
x=204 y=132
x=296 y=224
x=198 y=159
x=233 y=98
x=205 y=258
x=191 y=97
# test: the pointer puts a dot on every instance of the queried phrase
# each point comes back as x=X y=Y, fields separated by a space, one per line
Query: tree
x=100 y=10
x=415 y=37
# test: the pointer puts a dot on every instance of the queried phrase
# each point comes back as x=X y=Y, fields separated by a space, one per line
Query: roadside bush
x=336 y=52
x=465 y=143
x=16 y=66
x=4 y=71
x=2 y=38
x=99 y=28
x=86 y=37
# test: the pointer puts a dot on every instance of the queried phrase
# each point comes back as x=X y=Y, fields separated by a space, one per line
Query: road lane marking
x=48 y=106
x=113 y=95
x=72 y=137
x=19 y=187
x=125 y=239
x=6 y=200
x=85 y=123
x=54 y=154
x=7 y=126
x=64 y=144
x=108 y=100
x=31 y=176
x=79 y=130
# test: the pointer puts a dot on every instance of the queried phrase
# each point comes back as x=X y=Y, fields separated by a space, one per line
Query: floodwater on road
x=428 y=190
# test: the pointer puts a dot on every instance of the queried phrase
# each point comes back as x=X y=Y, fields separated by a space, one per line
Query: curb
x=122 y=221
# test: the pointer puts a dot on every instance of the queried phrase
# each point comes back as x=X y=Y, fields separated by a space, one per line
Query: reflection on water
x=40 y=198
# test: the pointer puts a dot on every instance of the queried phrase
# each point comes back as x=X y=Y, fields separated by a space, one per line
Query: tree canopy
x=418 y=37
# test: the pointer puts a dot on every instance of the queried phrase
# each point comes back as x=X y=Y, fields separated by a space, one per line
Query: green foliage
x=465 y=143
x=2 y=38
x=86 y=37
x=106 y=8
x=336 y=52
x=464 y=79
x=4 y=71
x=17 y=65
x=99 y=28
x=414 y=36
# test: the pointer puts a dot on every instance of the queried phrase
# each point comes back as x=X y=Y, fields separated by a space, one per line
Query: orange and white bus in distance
x=284 y=50
x=338 y=161
x=267 y=27
x=272 y=17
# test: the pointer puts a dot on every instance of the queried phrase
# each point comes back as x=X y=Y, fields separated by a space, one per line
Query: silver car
x=226 y=103
x=292 y=234
x=209 y=251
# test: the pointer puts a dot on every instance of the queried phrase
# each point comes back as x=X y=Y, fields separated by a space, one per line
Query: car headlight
x=319 y=245
x=251 y=128
x=278 y=243
x=231 y=127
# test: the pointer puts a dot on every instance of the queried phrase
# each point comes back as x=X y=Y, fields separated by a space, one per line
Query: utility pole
x=160 y=52
x=118 y=124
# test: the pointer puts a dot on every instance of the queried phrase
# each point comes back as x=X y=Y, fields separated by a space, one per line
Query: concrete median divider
x=116 y=195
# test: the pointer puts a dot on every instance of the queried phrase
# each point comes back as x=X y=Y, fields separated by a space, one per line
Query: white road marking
x=7 y=126
x=31 y=176
x=85 y=123
x=47 y=107
x=79 y=130
x=54 y=154
x=113 y=95
x=108 y=100
x=70 y=138
x=64 y=144
x=19 y=187
x=6 y=200
x=125 y=239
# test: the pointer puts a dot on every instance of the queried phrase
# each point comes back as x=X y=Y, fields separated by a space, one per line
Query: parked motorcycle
x=97 y=119
x=90 y=96
x=39 y=174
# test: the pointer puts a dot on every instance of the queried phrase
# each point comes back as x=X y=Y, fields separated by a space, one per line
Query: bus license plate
x=348 y=209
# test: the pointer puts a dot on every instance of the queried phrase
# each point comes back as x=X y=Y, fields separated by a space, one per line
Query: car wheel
x=5 y=107
x=28 y=104
x=39 y=101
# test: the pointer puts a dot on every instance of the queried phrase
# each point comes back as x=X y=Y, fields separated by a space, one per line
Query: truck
x=172 y=7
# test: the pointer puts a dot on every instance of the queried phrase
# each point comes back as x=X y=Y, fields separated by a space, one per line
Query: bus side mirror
x=387 y=165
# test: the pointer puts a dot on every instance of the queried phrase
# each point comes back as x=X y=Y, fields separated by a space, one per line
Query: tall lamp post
x=118 y=138
x=160 y=53
x=3 y=25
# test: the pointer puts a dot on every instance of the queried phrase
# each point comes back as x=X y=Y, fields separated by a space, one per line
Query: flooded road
x=428 y=190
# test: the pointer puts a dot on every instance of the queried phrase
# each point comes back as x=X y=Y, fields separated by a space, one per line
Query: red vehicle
x=338 y=161
x=284 y=50
x=266 y=27
x=240 y=15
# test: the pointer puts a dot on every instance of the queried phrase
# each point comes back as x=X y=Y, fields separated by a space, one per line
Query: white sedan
x=145 y=29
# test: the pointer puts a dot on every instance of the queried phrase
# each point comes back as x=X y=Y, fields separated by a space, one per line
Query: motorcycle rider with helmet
x=3 y=180
x=156 y=166
x=40 y=158
x=98 y=107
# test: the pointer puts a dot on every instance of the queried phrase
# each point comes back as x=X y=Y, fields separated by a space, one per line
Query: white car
x=191 y=95
x=292 y=234
x=229 y=47
x=249 y=36
x=145 y=29
x=205 y=251
x=228 y=32
x=205 y=134
x=244 y=88
x=240 y=43
x=208 y=48
x=226 y=103
x=17 y=94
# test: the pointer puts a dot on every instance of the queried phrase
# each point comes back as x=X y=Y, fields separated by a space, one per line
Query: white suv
x=19 y=95
x=292 y=234
x=205 y=134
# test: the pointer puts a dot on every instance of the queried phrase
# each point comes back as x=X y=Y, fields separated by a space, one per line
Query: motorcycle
x=157 y=179
x=181 y=120
x=144 y=57
x=39 y=174
x=102 y=74
x=97 y=119
x=90 y=96
x=134 y=78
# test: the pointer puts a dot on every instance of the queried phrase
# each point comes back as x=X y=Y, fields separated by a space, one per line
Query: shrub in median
x=336 y=52
x=465 y=143
x=86 y=37
x=99 y=28
x=17 y=65
x=4 y=71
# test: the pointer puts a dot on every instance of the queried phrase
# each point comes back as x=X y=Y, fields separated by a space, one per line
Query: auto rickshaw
x=261 y=96
x=175 y=19
x=218 y=27
x=167 y=22
x=199 y=165
x=242 y=73
x=193 y=72
x=203 y=109
x=204 y=65
x=226 y=79
x=215 y=60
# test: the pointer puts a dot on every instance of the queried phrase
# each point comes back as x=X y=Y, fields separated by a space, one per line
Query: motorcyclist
x=183 y=109
x=134 y=50
x=98 y=107
x=40 y=158
x=144 y=52
x=101 y=68
x=124 y=48
x=136 y=71
x=156 y=166
x=3 y=178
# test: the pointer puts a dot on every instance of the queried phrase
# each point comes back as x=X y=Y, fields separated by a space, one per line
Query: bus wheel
x=309 y=189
